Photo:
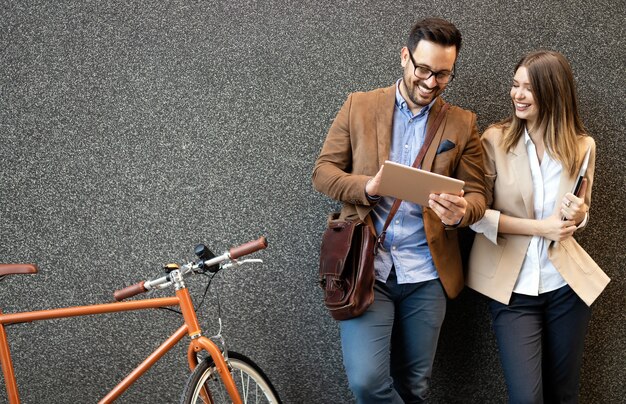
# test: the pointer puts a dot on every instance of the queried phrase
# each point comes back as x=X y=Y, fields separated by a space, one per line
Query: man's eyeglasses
x=424 y=73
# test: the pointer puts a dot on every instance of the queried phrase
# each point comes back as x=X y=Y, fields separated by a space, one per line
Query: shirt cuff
x=372 y=198
x=584 y=222
x=488 y=225
x=452 y=226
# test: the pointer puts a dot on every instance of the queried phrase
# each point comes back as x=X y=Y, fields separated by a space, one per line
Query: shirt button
x=406 y=146
x=394 y=248
x=397 y=222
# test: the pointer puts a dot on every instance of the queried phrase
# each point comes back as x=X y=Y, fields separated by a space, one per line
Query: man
x=389 y=350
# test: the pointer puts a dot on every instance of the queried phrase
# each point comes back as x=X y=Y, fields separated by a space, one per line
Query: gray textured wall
x=131 y=130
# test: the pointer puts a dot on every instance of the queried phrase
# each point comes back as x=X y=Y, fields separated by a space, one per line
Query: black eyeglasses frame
x=449 y=74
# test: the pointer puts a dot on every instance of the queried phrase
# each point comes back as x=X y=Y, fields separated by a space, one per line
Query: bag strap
x=430 y=135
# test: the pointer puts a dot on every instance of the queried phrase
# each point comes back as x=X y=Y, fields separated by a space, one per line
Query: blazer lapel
x=384 y=122
x=521 y=166
x=429 y=158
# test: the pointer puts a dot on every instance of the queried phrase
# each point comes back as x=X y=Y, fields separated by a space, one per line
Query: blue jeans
x=541 y=340
x=388 y=352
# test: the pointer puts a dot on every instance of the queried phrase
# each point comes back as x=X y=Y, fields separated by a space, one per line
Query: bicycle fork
x=200 y=343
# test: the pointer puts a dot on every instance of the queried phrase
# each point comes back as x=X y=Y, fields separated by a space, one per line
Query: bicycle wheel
x=252 y=384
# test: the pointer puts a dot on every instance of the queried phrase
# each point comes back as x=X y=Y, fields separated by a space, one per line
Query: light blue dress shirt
x=405 y=246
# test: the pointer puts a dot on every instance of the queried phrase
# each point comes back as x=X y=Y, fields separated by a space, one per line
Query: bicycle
x=222 y=376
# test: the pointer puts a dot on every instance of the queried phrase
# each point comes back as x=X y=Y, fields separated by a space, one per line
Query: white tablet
x=414 y=185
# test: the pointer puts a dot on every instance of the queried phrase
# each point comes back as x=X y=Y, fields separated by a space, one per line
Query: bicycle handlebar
x=248 y=248
x=232 y=254
x=129 y=291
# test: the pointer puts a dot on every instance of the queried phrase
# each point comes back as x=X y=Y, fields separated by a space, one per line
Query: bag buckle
x=379 y=242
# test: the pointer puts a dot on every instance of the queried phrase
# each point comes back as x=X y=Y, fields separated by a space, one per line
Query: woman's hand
x=553 y=228
x=573 y=207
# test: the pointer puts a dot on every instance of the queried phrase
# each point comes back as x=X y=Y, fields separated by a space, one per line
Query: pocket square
x=445 y=146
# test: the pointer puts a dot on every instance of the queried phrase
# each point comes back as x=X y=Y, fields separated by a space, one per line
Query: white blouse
x=538 y=275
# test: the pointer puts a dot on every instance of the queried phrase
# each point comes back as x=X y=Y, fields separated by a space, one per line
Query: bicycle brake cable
x=206 y=290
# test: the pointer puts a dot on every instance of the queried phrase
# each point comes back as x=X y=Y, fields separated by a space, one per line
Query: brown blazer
x=494 y=268
x=359 y=142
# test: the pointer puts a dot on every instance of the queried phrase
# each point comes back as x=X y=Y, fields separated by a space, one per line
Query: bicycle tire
x=252 y=384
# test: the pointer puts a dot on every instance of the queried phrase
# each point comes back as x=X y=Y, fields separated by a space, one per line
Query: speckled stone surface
x=132 y=130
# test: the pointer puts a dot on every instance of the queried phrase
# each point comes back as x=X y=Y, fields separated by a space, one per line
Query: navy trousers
x=541 y=340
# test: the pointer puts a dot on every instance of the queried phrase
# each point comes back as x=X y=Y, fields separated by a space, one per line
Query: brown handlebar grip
x=8 y=269
x=248 y=248
x=129 y=291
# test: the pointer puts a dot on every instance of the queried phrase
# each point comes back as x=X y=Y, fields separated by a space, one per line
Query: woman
x=540 y=281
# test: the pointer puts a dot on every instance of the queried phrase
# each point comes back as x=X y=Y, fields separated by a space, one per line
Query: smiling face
x=523 y=99
x=417 y=92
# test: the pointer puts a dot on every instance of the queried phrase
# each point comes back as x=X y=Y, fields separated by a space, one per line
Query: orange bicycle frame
x=191 y=327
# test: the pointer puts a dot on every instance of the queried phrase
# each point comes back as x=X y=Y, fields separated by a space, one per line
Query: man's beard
x=413 y=93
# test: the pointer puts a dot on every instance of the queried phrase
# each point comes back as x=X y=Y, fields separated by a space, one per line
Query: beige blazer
x=359 y=142
x=494 y=268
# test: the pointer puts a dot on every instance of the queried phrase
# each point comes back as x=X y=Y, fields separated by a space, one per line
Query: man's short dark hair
x=435 y=30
